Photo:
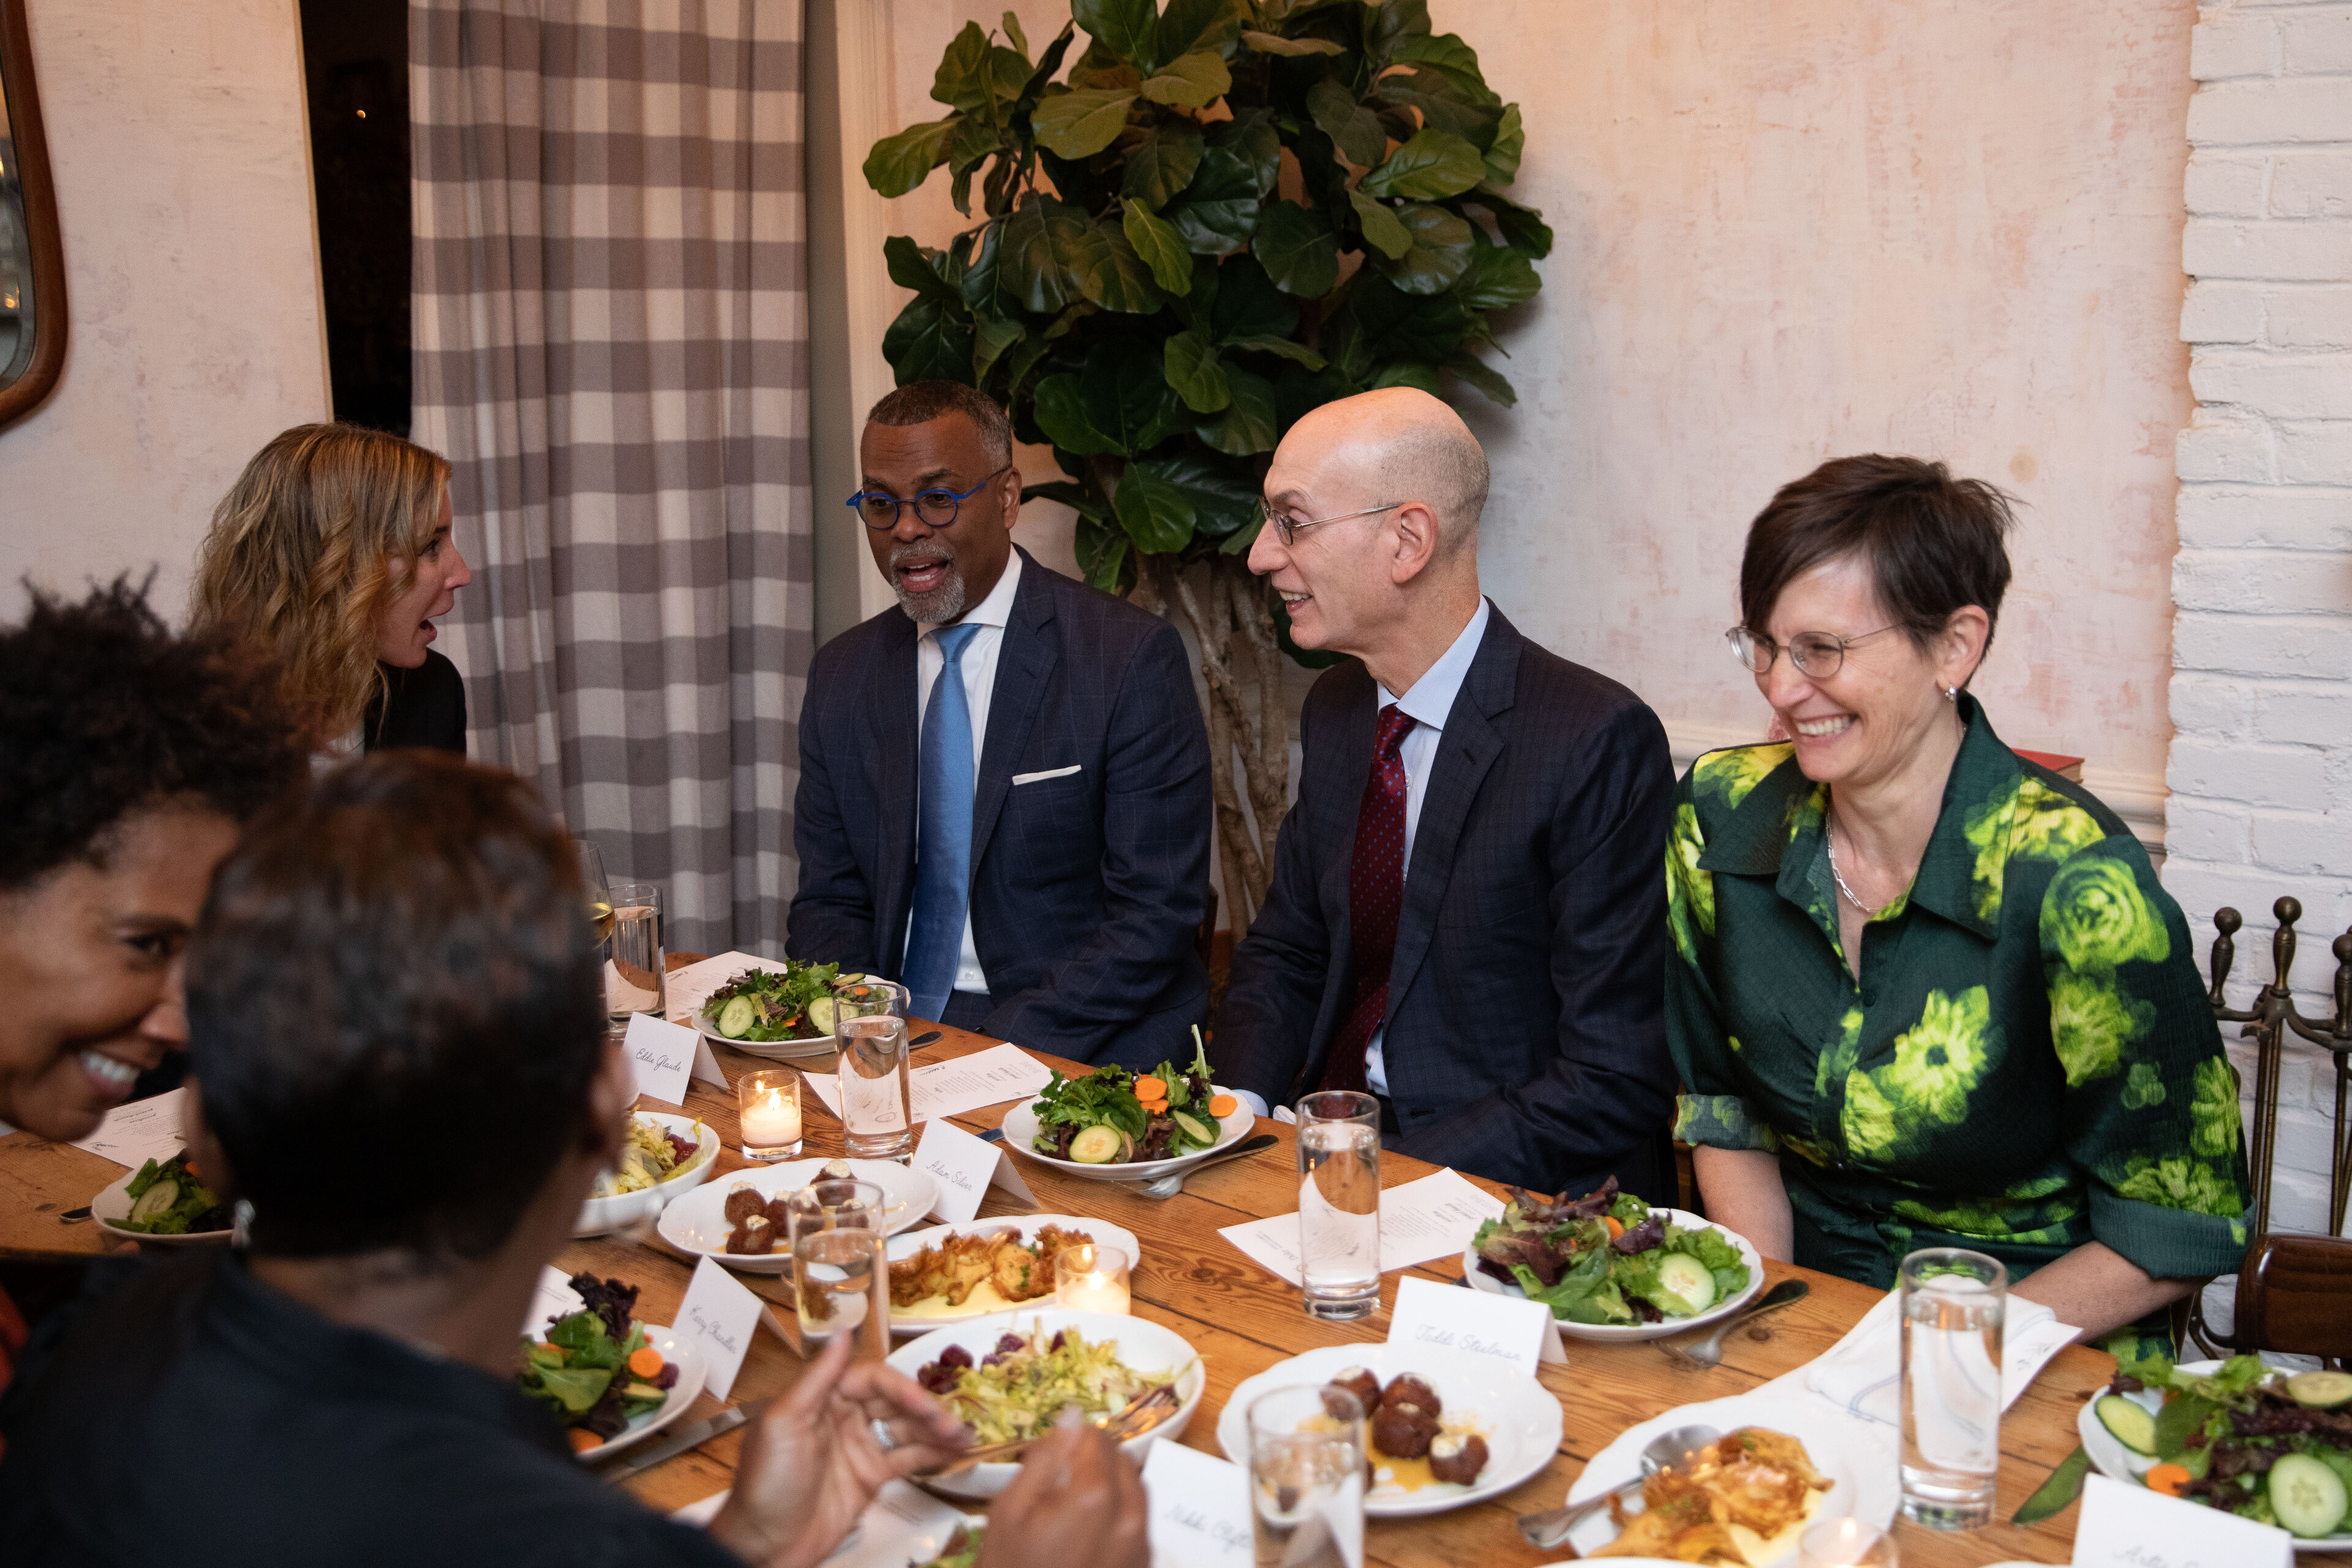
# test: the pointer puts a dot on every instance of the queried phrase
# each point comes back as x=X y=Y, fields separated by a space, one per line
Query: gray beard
x=941 y=605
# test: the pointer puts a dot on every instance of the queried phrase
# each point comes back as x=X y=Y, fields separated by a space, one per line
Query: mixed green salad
x=593 y=1369
x=2245 y=1437
x=167 y=1199
x=1608 y=1257
x=1020 y=1388
x=794 y=1003
x=1112 y=1116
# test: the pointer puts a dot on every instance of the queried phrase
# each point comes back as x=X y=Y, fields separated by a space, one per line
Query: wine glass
x=598 y=887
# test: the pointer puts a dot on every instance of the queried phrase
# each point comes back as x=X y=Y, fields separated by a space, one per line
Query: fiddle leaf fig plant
x=1223 y=215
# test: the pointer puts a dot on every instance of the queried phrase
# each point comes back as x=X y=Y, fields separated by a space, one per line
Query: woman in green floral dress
x=1927 y=994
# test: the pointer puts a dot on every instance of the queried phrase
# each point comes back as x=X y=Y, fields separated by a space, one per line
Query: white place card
x=965 y=1167
x=719 y=1317
x=665 y=1057
x=1200 y=1508
x=2127 y=1526
x=1433 y=1217
x=941 y=1089
x=143 y=1131
x=1513 y=1331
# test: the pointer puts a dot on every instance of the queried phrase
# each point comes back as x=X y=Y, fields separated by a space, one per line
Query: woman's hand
x=1077 y=1500
x=813 y=1462
x=2099 y=1290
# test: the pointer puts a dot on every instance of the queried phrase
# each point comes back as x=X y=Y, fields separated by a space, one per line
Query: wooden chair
x=2294 y=1295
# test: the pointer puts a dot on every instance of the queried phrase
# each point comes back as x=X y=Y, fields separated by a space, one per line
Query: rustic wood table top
x=1241 y=1320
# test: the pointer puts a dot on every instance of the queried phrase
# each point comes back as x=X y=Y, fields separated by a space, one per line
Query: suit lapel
x=1024 y=663
x=895 y=749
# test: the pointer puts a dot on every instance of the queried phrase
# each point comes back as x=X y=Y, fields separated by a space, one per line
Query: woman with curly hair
x=1928 y=994
x=332 y=552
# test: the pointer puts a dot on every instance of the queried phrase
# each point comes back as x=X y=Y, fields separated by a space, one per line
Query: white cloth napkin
x=1862 y=1373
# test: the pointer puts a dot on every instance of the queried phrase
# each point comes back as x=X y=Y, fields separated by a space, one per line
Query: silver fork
x=1708 y=1353
x=1169 y=1186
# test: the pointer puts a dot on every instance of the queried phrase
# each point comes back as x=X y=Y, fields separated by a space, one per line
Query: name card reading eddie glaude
x=666 y=1056
x=1510 y=1330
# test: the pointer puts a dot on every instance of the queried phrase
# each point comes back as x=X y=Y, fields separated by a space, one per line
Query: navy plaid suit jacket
x=1087 y=890
x=1526 y=1000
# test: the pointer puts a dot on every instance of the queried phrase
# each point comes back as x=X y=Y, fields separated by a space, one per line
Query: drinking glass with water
x=841 y=1283
x=1339 y=1204
x=1954 y=1302
x=1306 y=1478
x=869 y=1020
x=636 y=982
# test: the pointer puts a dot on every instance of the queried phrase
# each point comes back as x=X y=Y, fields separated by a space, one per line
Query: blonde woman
x=332 y=551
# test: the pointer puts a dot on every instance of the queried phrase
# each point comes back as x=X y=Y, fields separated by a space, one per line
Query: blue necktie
x=943 y=849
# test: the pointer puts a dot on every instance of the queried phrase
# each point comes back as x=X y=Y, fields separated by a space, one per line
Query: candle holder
x=1847 y=1544
x=1091 y=1277
x=768 y=1109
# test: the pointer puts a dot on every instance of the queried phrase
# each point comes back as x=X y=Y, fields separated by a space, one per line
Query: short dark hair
x=107 y=713
x=921 y=402
x=394 y=1011
x=1934 y=543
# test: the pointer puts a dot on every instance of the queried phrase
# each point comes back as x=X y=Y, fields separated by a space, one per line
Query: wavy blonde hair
x=317 y=535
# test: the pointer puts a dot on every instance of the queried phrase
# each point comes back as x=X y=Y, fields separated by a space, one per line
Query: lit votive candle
x=1090 y=1278
x=1847 y=1544
x=768 y=1107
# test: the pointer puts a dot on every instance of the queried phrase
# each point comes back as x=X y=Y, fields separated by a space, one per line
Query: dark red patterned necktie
x=1375 y=893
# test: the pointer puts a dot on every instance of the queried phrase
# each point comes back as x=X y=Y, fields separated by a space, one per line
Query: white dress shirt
x=978 y=667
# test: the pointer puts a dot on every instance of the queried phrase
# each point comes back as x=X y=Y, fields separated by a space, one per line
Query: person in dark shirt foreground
x=400 y=1062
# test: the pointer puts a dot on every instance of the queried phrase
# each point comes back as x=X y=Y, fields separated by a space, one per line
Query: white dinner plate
x=1143 y=1345
x=601 y=1216
x=908 y=1243
x=2119 y=1463
x=691 y=1372
x=113 y=1205
x=697 y=1224
x=1481 y=1280
x=1519 y=1416
x=1021 y=1126
x=1866 y=1483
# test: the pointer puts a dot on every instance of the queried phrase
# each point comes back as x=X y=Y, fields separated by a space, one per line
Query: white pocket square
x=1048 y=773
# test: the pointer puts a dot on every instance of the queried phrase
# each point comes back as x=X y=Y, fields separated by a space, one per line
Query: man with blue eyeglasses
x=1005 y=800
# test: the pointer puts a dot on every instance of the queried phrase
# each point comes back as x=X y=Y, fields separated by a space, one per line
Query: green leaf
x=930 y=341
x=1247 y=425
x=1102 y=553
x=1038 y=254
x=1161 y=246
x=1190 y=24
x=1440 y=253
x=1127 y=396
x=1155 y=513
x=897 y=164
x=1081 y=124
x=1256 y=147
x=962 y=77
x=1499 y=278
x=991 y=335
x=1122 y=26
x=1276 y=43
x=1397 y=325
x=1354 y=129
x=1062 y=413
x=1382 y=230
x=1013 y=31
x=1193 y=371
x=1295 y=247
x=1008 y=76
x=1248 y=305
x=1238 y=543
x=1456 y=61
x=1435 y=164
x=1298 y=353
x=1196 y=80
x=1214 y=229
x=1111 y=274
x=1509 y=145
x=1024 y=360
x=1223 y=490
x=1070 y=495
x=1484 y=377
x=1409 y=372
x=1161 y=165
x=910 y=268
x=1522 y=228
x=1100 y=68
x=1391 y=23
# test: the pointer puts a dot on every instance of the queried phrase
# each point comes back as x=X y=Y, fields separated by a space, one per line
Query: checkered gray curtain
x=611 y=349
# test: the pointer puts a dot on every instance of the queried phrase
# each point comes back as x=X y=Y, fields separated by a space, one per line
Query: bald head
x=1409 y=447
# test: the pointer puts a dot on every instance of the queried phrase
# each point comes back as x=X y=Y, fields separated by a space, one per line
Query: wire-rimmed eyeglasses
x=1817 y=655
x=935 y=508
x=1287 y=528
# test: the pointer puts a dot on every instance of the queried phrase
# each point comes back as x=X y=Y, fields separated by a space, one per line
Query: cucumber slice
x=821 y=1014
x=1193 y=1129
x=1688 y=1278
x=2320 y=1390
x=736 y=1018
x=157 y=1200
x=1095 y=1146
x=2308 y=1498
x=2132 y=1425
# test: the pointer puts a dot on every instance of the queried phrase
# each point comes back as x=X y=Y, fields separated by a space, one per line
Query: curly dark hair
x=105 y=712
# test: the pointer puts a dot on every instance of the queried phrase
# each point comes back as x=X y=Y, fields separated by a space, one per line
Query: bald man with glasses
x=1469 y=910
x=1005 y=793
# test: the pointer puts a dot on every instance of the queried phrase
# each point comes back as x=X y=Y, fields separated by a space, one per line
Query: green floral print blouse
x=2028 y=1063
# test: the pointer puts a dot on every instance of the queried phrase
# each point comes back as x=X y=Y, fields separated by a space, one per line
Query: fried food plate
x=985 y=1301
x=1519 y=1417
x=1481 y=1280
x=1861 y=1468
x=697 y=1224
x=1021 y=1126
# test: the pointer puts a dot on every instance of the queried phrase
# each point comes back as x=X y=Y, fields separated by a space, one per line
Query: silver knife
x=691 y=1435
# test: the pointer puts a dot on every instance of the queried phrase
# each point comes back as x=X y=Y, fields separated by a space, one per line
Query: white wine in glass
x=599 y=889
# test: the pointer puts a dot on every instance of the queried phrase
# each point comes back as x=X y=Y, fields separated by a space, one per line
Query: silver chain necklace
x=1829 y=840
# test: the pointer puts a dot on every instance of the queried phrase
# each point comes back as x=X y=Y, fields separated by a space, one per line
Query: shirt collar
x=1431 y=698
x=995 y=610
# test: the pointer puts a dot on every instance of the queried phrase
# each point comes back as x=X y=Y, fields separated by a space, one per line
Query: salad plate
x=1021 y=1127
x=985 y=1301
x=111 y=1206
x=1865 y=1478
x=695 y=1224
x=602 y=1216
x=1479 y=1279
x=1141 y=1346
x=692 y=1369
x=800 y=986
x=1518 y=1417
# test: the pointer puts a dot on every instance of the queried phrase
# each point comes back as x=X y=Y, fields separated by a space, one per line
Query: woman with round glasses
x=1928 y=994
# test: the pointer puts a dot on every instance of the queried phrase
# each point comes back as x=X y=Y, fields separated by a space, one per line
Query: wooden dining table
x=1241 y=1320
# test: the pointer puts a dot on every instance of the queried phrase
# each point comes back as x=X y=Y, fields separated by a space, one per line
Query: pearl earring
x=1952 y=694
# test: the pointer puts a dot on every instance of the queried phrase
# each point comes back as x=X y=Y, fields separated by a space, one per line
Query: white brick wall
x=2260 y=767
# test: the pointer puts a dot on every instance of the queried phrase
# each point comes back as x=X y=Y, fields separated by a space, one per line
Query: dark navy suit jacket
x=1087 y=890
x=1527 y=999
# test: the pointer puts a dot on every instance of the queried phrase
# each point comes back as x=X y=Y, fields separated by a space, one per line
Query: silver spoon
x=1666 y=1451
x=1168 y=1186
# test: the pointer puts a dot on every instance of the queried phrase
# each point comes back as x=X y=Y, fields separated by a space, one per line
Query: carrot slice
x=583 y=1439
x=645 y=1361
x=1616 y=1226
x=2169 y=1479
x=1150 y=1088
x=1224 y=1105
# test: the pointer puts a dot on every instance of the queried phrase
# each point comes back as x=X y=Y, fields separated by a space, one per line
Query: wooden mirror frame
x=20 y=396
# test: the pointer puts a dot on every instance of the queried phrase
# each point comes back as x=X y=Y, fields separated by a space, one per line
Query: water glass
x=1953 y=1302
x=841 y=1281
x=1306 y=1478
x=1339 y=1204
x=1091 y=1277
x=636 y=980
x=767 y=1110
x=1847 y=1544
x=869 y=1020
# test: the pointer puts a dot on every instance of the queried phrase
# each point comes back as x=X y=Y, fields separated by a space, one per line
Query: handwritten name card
x=1200 y=1508
x=965 y=1167
x=2128 y=1526
x=1515 y=1332
x=665 y=1057
x=133 y=1134
x=719 y=1317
